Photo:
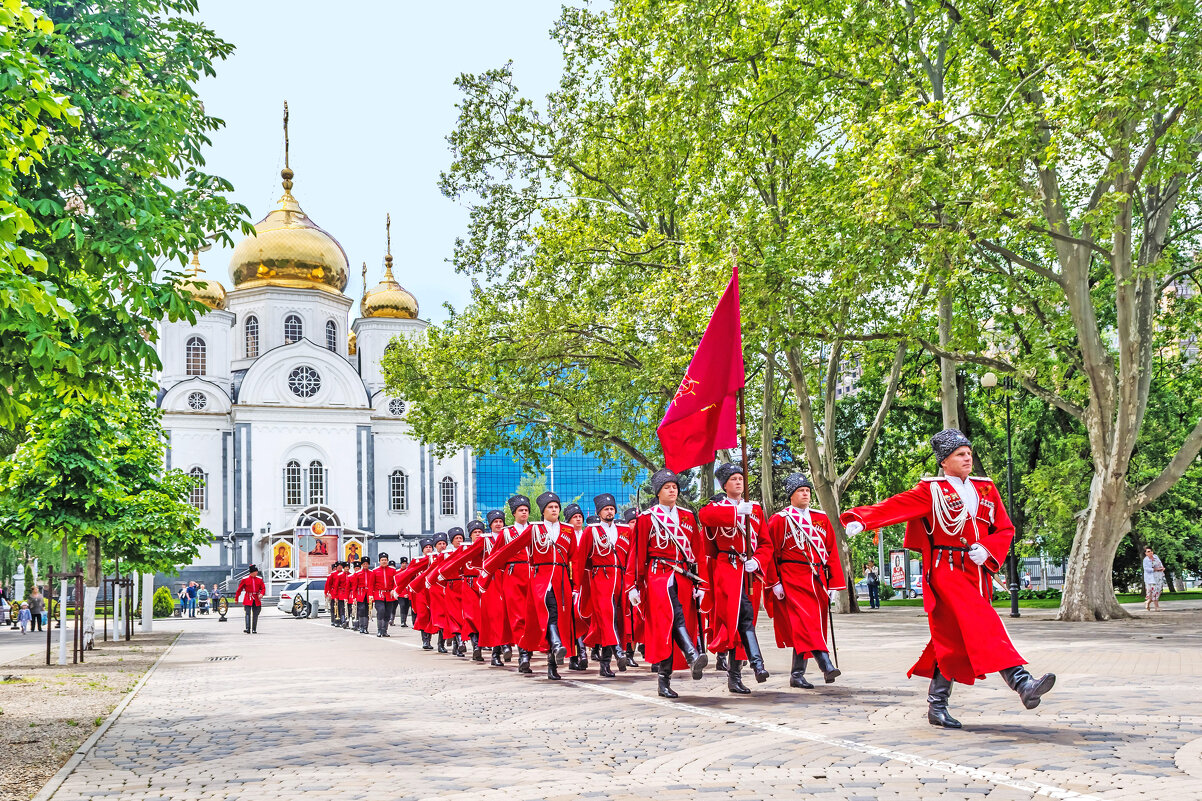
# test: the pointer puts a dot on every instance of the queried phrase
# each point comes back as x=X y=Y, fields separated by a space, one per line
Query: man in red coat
x=549 y=547
x=333 y=580
x=449 y=587
x=459 y=575
x=738 y=558
x=485 y=608
x=361 y=595
x=251 y=591
x=810 y=577
x=661 y=573
x=411 y=583
x=632 y=616
x=381 y=588
x=959 y=525
x=598 y=566
x=514 y=578
x=573 y=516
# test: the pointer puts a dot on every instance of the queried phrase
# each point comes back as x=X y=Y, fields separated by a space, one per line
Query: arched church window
x=317 y=482
x=398 y=491
x=294 y=329
x=194 y=356
x=304 y=382
x=252 y=337
x=292 y=484
x=198 y=495
x=331 y=336
x=447 y=494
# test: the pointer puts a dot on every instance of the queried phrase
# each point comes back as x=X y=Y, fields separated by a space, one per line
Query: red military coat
x=660 y=546
x=460 y=574
x=357 y=586
x=550 y=561
x=968 y=639
x=806 y=553
x=381 y=584
x=411 y=582
x=251 y=589
x=513 y=586
x=599 y=566
x=447 y=586
x=726 y=548
x=333 y=584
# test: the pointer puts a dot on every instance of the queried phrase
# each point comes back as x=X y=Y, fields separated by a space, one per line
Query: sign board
x=897 y=569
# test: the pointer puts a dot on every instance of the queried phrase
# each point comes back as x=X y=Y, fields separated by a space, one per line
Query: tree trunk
x=91 y=588
x=1089 y=576
x=766 y=435
x=947 y=367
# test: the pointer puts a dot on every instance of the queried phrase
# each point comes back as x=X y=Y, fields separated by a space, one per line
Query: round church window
x=304 y=382
x=197 y=401
x=396 y=407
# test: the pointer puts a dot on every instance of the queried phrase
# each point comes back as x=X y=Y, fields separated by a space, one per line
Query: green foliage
x=101 y=182
x=164 y=603
x=28 y=578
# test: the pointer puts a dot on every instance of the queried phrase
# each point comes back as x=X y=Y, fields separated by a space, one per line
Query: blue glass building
x=572 y=475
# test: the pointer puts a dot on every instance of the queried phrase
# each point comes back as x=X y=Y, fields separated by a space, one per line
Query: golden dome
x=210 y=293
x=352 y=344
x=388 y=298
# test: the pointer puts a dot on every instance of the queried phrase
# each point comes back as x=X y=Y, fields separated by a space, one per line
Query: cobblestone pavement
x=309 y=711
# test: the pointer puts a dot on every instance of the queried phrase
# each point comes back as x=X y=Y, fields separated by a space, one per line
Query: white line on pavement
x=980 y=774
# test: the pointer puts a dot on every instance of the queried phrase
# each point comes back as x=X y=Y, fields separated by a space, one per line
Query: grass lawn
x=1137 y=597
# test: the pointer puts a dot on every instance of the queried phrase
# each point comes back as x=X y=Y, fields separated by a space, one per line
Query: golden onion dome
x=388 y=298
x=352 y=344
x=210 y=293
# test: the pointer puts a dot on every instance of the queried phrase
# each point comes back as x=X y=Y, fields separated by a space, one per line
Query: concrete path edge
x=56 y=781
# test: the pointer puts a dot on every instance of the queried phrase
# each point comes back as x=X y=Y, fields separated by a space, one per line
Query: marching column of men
x=675 y=586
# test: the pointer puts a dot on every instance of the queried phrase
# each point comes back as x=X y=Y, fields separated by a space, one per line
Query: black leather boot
x=665 y=680
x=621 y=654
x=630 y=657
x=557 y=650
x=1029 y=688
x=721 y=665
x=477 y=656
x=552 y=671
x=457 y=648
x=734 y=675
x=697 y=659
x=829 y=672
x=754 y=655
x=606 y=671
x=507 y=653
x=937 y=696
x=524 y=661
x=442 y=643
x=582 y=654
x=496 y=657
x=797 y=678
x=596 y=653
x=426 y=646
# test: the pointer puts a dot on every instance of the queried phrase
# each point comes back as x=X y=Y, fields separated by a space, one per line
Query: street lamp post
x=989 y=381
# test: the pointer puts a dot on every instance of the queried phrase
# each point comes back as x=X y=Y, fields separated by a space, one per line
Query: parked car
x=312 y=590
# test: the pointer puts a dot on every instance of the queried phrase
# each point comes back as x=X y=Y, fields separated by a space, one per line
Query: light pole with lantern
x=989 y=382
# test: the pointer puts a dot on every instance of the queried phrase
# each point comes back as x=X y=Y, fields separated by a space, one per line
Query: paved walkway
x=308 y=711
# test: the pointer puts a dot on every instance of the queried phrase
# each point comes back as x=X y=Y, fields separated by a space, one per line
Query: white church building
x=275 y=401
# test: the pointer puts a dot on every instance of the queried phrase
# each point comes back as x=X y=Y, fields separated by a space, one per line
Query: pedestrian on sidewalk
x=192 y=599
x=24 y=617
x=250 y=593
x=1153 y=579
x=37 y=607
x=874 y=585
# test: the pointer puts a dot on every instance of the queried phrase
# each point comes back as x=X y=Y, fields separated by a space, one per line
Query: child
x=24 y=617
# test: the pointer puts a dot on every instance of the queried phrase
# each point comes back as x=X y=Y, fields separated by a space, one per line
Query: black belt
x=734 y=553
x=963 y=549
x=799 y=562
x=602 y=567
x=448 y=581
x=549 y=564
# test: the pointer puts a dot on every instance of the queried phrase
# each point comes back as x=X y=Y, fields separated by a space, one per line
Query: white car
x=311 y=590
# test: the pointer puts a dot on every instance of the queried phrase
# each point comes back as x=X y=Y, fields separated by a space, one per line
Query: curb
x=56 y=781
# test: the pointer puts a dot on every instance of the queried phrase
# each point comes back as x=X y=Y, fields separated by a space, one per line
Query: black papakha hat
x=453 y=532
x=518 y=501
x=475 y=525
x=495 y=514
x=945 y=443
x=592 y=520
x=727 y=470
x=571 y=510
x=603 y=500
x=546 y=498
x=630 y=515
x=661 y=478
x=794 y=482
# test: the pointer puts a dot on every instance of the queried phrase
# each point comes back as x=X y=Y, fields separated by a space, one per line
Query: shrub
x=164 y=603
x=887 y=592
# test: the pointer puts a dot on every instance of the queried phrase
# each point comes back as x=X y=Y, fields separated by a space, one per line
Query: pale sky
x=369 y=88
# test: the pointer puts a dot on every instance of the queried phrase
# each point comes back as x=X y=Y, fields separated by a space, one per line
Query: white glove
x=779 y=591
x=853 y=528
x=978 y=554
x=834 y=594
x=751 y=565
x=745 y=507
x=699 y=595
x=634 y=596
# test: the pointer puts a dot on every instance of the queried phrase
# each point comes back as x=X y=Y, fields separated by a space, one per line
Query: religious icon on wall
x=283 y=554
x=354 y=551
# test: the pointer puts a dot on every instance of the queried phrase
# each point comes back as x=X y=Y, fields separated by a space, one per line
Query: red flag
x=701 y=417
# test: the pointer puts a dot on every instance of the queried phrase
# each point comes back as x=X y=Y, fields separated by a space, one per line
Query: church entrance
x=309 y=549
